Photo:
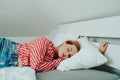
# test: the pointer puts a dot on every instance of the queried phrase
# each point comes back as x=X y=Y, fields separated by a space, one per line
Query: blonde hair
x=74 y=42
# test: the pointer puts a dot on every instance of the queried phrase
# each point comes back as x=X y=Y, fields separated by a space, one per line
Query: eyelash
x=68 y=50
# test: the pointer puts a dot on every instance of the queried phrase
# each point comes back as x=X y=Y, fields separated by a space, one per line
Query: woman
x=40 y=54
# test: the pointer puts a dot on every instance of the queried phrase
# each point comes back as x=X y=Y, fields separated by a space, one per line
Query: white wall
x=104 y=27
x=23 y=18
x=40 y=17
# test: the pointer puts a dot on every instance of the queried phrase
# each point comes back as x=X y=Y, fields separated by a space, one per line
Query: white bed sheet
x=17 y=73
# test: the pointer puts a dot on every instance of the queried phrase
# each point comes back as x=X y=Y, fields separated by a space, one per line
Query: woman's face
x=67 y=50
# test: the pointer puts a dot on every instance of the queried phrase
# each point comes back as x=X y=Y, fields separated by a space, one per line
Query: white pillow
x=61 y=37
x=88 y=57
x=112 y=53
x=17 y=73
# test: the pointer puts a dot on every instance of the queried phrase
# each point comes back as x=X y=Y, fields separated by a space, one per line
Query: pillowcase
x=112 y=53
x=61 y=37
x=17 y=73
x=88 y=57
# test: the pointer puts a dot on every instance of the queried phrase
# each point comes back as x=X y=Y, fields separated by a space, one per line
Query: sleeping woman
x=40 y=53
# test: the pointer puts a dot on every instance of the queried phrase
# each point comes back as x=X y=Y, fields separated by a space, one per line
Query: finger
x=107 y=42
x=104 y=44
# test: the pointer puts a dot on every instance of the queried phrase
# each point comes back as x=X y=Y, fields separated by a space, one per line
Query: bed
x=98 y=30
x=104 y=29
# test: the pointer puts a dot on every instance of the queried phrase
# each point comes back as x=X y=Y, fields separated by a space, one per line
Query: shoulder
x=44 y=38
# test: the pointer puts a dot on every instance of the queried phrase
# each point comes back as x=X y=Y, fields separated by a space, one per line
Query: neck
x=56 y=52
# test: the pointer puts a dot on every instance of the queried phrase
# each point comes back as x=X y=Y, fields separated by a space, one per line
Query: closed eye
x=71 y=49
x=68 y=50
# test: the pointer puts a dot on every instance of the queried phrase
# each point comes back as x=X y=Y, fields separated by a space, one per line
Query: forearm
x=46 y=66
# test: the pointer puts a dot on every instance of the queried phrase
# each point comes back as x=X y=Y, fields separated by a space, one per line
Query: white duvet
x=17 y=73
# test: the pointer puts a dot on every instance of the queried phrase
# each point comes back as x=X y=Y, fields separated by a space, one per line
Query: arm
x=46 y=66
x=103 y=46
x=42 y=55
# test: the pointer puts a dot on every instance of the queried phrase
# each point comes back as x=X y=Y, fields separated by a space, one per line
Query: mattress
x=89 y=74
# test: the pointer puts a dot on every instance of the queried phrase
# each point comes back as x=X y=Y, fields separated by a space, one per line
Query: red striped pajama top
x=38 y=54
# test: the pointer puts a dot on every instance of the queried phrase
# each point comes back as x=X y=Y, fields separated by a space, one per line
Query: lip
x=63 y=55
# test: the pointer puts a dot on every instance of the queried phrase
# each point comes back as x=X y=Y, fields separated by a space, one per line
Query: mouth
x=63 y=55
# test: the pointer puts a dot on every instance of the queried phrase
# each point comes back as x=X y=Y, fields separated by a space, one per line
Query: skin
x=103 y=46
x=65 y=50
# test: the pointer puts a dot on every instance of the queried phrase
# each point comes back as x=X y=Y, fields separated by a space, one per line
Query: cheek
x=60 y=52
x=62 y=49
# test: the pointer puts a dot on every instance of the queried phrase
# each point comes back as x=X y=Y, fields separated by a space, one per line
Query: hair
x=74 y=42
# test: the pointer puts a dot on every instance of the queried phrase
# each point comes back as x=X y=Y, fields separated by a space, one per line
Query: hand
x=103 y=47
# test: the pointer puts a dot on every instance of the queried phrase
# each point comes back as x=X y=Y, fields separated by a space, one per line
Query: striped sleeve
x=39 y=52
x=47 y=66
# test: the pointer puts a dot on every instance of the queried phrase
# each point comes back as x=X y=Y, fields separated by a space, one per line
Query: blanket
x=17 y=73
